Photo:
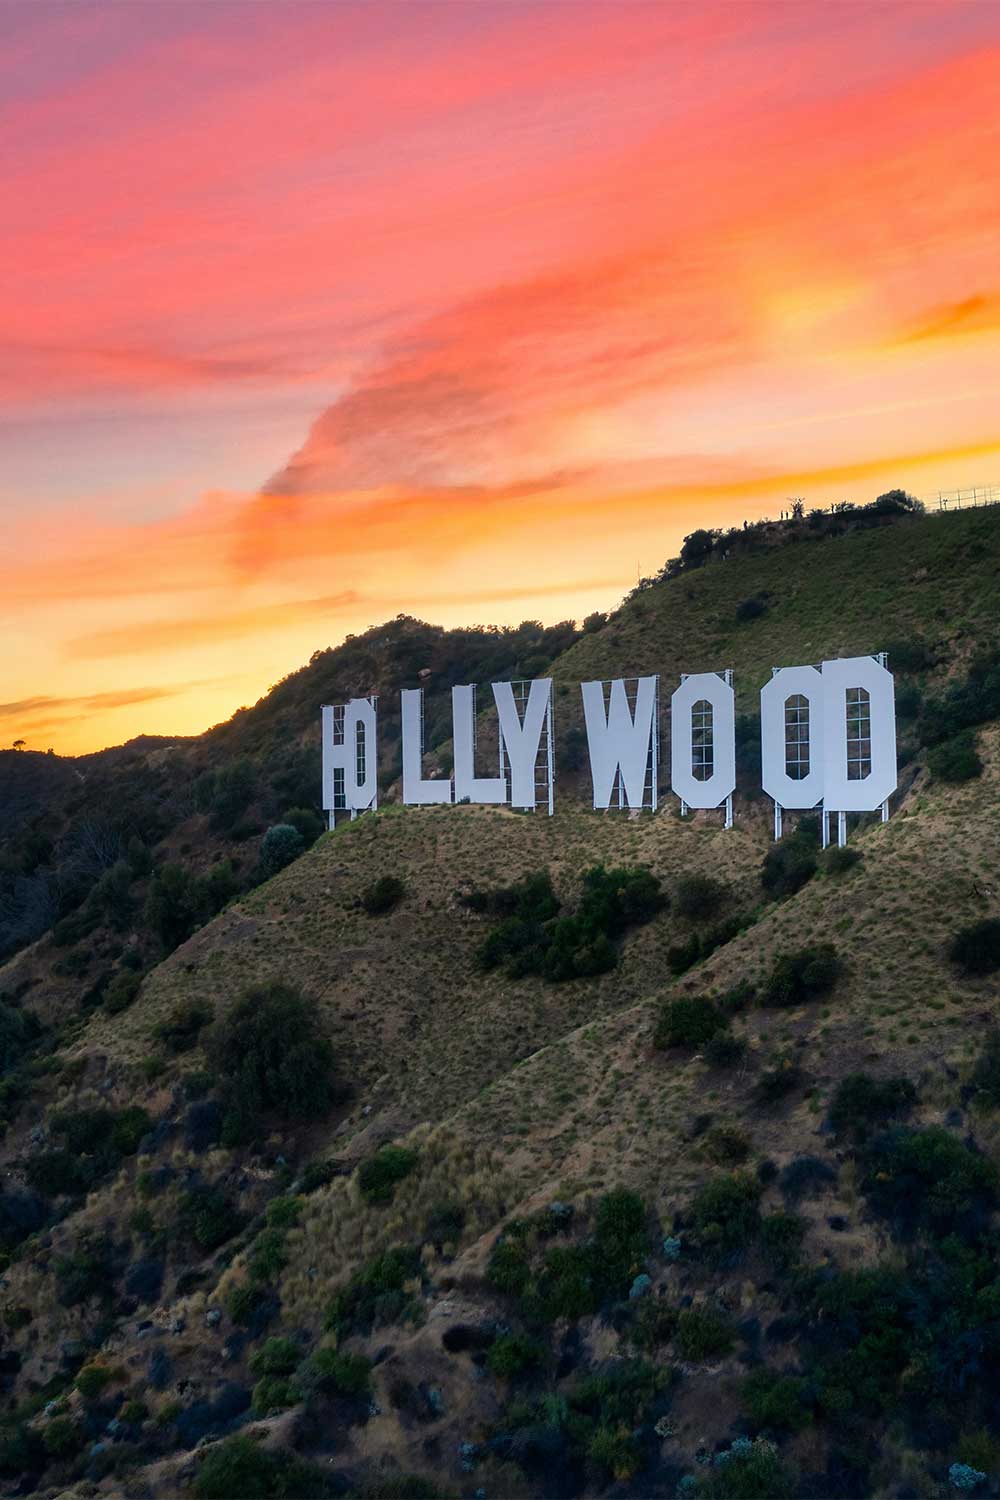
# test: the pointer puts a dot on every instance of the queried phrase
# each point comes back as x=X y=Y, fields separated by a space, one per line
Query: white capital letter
x=417 y=791
x=860 y=739
x=356 y=754
x=703 y=755
x=488 y=789
x=791 y=737
x=616 y=741
x=521 y=741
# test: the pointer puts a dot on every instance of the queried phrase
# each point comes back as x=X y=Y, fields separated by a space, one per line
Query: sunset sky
x=317 y=313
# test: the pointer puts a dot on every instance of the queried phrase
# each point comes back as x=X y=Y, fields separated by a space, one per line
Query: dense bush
x=121 y=992
x=702 y=1333
x=778 y=1081
x=725 y=1214
x=791 y=863
x=208 y=1216
x=861 y=1103
x=973 y=700
x=955 y=760
x=985 y=1079
x=698 y=897
x=724 y=1050
x=688 y=1021
x=976 y=948
x=375 y=1294
x=701 y=945
x=181 y=1029
x=532 y=939
x=18 y=1030
x=383 y=895
x=747 y=1471
x=841 y=858
x=379 y=1175
x=572 y=1281
x=338 y=1372
x=270 y=1055
x=776 y=1402
x=239 y=1467
x=278 y=1356
x=280 y=845
x=929 y=1180
x=799 y=977
x=780 y=1238
x=750 y=609
x=805 y=1177
x=513 y=1353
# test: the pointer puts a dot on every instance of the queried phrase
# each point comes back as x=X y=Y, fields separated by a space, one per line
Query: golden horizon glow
x=316 y=315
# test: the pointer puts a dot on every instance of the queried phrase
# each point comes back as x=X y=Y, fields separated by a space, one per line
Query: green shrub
x=375 y=1294
x=955 y=760
x=976 y=948
x=208 y=1217
x=531 y=898
x=929 y=1180
x=181 y=1029
x=532 y=939
x=244 y=1302
x=280 y=845
x=62 y=1437
x=698 y=897
x=237 y=1467
x=688 y=1021
x=87 y=1272
x=339 y=1372
x=268 y=1256
x=283 y=1213
x=788 y=866
x=776 y=1402
x=752 y=1471
x=175 y=906
x=278 y=1356
x=725 y=1213
x=18 y=1029
x=513 y=1353
x=725 y=1050
x=861 y=1103
x=129 y=1128
x=775 y=1083
x=781 y=1237
x=274 y=1393
x=57 y=1172
x=509 y=1267
x=379 y=1175
x=702 y=1333
x=121 y=992
x=92 y=1379
x=728 y=1145
x=270 y=1055
x=383 y=895
x=616 y=1450
x=799 y=977
x=841 y=858
x=985 y=1079
x=655 y=1323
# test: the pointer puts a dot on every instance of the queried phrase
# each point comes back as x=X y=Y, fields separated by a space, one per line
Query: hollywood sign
x=828 y=741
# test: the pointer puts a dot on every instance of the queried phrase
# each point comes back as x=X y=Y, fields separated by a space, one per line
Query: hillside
x=602 y=1256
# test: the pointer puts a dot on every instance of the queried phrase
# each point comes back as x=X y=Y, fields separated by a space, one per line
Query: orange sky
x=315 y=313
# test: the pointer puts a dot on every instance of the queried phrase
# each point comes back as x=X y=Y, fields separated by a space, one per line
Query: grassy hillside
x=613 y=1235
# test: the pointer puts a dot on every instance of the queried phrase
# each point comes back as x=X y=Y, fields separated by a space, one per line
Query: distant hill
x=655 y=1159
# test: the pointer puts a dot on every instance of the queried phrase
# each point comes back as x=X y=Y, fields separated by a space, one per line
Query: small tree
x=271 y=1055
x=279 y=846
